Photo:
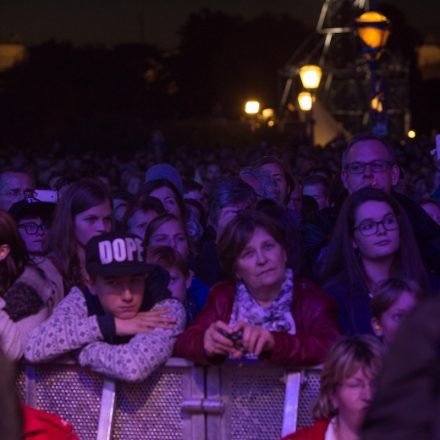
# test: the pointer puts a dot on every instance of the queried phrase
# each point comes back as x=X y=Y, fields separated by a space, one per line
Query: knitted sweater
x=22 y=307
x=71 y=327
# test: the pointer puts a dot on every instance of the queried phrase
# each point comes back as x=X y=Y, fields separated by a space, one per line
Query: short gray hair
x=368 y=137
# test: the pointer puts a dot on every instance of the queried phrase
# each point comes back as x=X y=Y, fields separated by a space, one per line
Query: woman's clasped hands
x=222 y=340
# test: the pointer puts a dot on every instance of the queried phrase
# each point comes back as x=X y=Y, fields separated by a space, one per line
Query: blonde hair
x=347 y=356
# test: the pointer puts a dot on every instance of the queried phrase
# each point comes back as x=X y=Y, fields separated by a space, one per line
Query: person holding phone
x=265 y=309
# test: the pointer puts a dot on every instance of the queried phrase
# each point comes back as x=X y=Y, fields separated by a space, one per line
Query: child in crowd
x=108 y=323
x=180 y=277
x=168 y=230
x=392 y=300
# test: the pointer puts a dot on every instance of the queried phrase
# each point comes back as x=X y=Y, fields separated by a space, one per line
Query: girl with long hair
x=84 y=211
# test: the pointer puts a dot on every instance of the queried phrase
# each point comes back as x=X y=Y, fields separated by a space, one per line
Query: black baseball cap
x=115 y=254
x=31 y=208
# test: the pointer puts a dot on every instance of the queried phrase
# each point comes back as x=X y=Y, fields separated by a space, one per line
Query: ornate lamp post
x=305 y=101
x=252 y=108
x=373 y=30
x=310 y=75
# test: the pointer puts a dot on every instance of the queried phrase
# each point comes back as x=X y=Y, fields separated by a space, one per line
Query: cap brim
x=43 y=210
x=120 y=270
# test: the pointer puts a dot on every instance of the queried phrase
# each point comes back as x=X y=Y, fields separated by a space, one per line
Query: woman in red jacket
x=346 y=379
x=267 y=311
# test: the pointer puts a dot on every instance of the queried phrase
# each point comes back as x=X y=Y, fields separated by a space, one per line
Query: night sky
x=112 y=22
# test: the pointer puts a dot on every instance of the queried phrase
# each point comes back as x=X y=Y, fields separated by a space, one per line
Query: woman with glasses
x=33 y=219
x=26 y=294
x=372 y=242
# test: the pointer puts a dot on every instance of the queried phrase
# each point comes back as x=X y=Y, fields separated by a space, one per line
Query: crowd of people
x=294 y=258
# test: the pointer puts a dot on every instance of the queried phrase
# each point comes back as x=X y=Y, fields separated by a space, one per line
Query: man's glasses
x=32 y=228
x=370 y=227
x=377 y=166
x=16 y=193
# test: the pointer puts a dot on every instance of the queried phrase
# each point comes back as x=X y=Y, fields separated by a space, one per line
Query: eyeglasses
x=377 y=166
x=370 y=227
x=32 y=228
x=16 y=193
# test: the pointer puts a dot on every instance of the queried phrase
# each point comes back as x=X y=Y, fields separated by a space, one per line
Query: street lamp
x=310 y=75
x=377 y=103
x=252 y=107
x=305 y=101
x=373 y=30
x=267 y=116
x=268 y=113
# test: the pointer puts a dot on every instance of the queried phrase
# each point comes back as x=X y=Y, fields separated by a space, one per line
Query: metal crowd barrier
x=242 y=401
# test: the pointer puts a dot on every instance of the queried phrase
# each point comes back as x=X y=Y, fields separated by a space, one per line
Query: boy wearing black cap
x=109 y=324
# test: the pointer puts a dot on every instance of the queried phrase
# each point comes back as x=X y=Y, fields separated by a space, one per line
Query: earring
x=377 y=327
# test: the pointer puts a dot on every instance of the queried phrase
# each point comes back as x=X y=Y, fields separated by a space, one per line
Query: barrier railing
x=243 y=401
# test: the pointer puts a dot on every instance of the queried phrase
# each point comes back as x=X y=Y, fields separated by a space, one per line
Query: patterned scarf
x=277 y=317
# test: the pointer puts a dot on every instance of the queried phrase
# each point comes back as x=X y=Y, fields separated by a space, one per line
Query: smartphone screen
x=46 y=195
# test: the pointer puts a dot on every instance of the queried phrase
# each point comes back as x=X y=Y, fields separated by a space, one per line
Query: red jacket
x=312 y=309
x=315 y=432
x=40 y=425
